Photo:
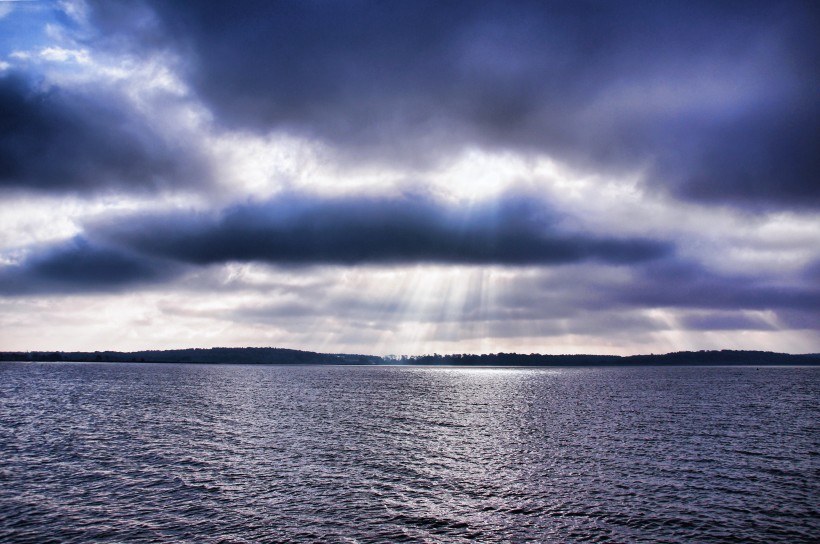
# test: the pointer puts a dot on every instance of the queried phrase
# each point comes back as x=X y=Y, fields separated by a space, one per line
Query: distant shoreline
x=279 y=356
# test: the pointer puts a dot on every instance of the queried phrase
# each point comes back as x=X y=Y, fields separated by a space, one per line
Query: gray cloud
x=495 y=321
x=718 y=99
x=63 y=140
x=811 y=272
x=578 y=299
x=80 y=266
x=140 y=250
x=683 y=284
x=297 y=229
x=724 y=321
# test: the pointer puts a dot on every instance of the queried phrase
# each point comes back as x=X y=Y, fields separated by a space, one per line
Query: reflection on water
x=130 y=452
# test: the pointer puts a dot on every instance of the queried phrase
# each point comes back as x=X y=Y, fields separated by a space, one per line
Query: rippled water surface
x=149 y=452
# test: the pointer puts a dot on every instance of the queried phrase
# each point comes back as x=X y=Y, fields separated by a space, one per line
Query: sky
x=410 y=177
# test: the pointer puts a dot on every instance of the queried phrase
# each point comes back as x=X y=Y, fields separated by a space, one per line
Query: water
x=176 y=453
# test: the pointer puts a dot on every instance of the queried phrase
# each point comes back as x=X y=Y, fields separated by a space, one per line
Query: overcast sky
x=408 y=177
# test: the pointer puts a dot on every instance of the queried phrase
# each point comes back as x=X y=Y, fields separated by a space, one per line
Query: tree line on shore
x=256 y=355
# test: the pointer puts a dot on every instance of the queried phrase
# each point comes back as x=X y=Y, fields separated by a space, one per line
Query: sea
x=121 y=452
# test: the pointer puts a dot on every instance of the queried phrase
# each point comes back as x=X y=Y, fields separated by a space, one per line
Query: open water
x=101 y=452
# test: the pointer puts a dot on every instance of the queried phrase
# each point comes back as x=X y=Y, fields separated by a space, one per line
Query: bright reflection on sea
x=209 y=453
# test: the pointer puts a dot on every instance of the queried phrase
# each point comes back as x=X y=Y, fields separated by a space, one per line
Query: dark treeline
x=290 y=356
x=196 y=355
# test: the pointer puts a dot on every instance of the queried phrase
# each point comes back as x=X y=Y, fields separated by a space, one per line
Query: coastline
x=279 y=356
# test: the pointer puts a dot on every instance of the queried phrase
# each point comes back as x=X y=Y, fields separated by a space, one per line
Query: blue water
x=106 y=452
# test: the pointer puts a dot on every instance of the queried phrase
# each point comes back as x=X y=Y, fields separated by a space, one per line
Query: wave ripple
x=187 y=453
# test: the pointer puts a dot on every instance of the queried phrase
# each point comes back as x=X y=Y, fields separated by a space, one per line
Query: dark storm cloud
x=717 y=99
x=79 y=265
x=296 y=229
x=54 y=139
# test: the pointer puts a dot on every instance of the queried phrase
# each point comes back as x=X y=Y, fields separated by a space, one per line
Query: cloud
x=724 y=321
x=60 y=54
x=79 y=266
x=685 y=284
x=715 y=101
x=5 y=9
x=303 y=230
x=62 y=140
x=811 y=272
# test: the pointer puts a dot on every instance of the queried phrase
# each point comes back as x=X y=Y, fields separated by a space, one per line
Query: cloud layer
x=294 y=229
x=80 y=266
x=54 y=139
x=298 y=229
x=716 y=101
